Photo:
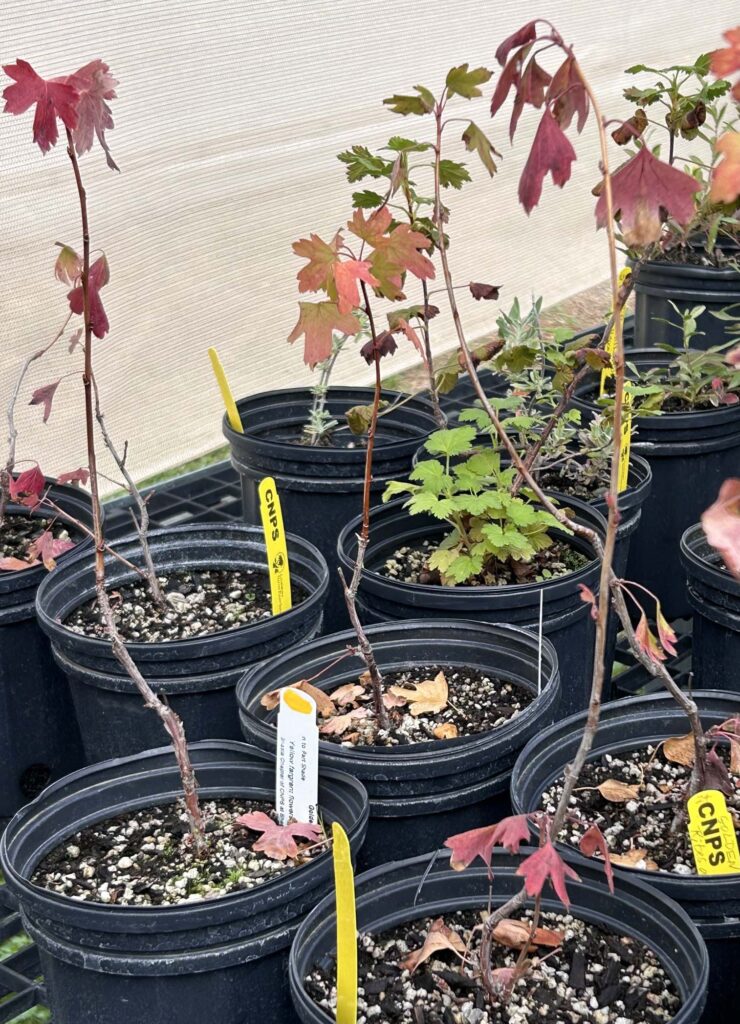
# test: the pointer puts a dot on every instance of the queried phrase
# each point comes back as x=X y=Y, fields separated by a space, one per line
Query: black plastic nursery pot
x=222 y=959
x=321 y=487
x=714 y=595
x=690 y=455
x=566 y=619
x=660 y=283
x=422 y=793
x=39 y=738
x=415 y=889
x=197 y=675
x=712 y=902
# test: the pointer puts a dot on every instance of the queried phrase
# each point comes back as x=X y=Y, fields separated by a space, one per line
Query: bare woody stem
x=350 y=591
x=7 y=470
x=169 y=719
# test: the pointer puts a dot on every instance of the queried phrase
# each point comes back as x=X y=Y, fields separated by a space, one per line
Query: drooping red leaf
x=510 y=76
x=567 y=95
x=642 y=189
x=68 y=266
x=45 y=396
x=510 y=833
x=666 y=634
x=551 y=153
x=546 y=864
x=384 y=344
x=47 y=548
x=726 y=175
x=28 y=487
x=277 y=841
x=95 y=85
x=317 y=322
x=75 y=476
x=53 y=99
x=593 y=840
x=99 y=277
x=346 y=275
x=588 y=597
x=530 y=89
x=484 y=291
x=721 y=524
x=404 y=326
x=526 y=34
x=647 y=641
x=716 y=775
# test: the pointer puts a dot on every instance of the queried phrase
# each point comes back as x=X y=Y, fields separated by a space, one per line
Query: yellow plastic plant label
x=344 y=888
x=611 y=341
x=277 y=548
x=626 y=437
x=712 y=834
x=232 y=412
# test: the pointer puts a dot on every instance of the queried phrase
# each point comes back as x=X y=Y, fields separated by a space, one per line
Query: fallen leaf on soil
x=634 y=859
x=324 y=704
x=277 y=841
x=438 y=937
x=347 y=694
x=428 y=697
x=391 y=701
x=618 y=792
x=340 y=723
x=680 y=749
x=504 y=978
x=515 y=934
x=445 y=731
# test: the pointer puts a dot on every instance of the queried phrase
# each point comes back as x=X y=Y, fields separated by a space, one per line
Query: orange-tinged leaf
x=647 y=641
x=427 y=697
x=593 y=839
x=726 y=176
x=515 y=934
x=370 y=229
x=11 y=564
x=321 y=256
x=277 y=841
x=317 y=322
x=439 y=937
x=727 y=60
x=634 y=859
x=340 y=723
x=324 y=703
x=445 y=731
x=680 y=749
x=346 y=275
x=390 y=700
x=347 y=694
x=666 y=634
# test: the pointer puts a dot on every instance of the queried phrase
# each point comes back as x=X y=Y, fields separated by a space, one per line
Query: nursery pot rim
x=56 y=629
x=412 y=753
x=399 y=878
x=516 y=589
x=706 y=570
x=94 y=909
x=614 y=708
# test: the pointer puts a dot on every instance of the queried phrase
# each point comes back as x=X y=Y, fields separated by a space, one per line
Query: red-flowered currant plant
x=80 y=104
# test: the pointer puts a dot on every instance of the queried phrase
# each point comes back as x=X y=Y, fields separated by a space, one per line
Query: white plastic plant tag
x=297 y=764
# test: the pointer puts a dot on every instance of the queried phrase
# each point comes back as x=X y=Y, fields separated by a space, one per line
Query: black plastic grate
x=20 y=987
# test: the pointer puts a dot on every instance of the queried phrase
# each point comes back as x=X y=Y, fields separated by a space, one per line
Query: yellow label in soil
x=712 y=834
x=277 y=549
x=611 y=341
x=626 y=437
x=235 y=420
x=344 y=888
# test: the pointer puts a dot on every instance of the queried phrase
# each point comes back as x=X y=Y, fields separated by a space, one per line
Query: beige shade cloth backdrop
x=228 y=121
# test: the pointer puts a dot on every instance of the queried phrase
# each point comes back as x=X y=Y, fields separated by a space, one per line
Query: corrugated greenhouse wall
x=228 y=120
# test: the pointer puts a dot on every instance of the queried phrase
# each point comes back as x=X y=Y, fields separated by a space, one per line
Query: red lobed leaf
x=277 y=841
x=716 y=775
x=551 y=153
x=484 y=291
x=54 y=98
x=666 y=634
x=47 y=548
x=526 y=34
x=319 y=271
x=95 y=85
x=726 y=61
x=404 y=326
x=75 y=476
x=642 y=189
x=99 y=276
x=510 y=832
x=346 y=275
x=510 y=76
x=28 y=487
x=45 y=396
x=592 y=840
x=370 y=229
x=384 y=344
x=567 y=95
x=721 y=524
x=546 y=864
x=647 y=641
x=530 y=89
x=317 y=321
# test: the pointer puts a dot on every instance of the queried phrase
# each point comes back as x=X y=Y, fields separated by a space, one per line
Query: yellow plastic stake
x=277 y=548
x=626 y=437
x=712 y=834
x=344 y=886
x=611 y=341
x=232 y=412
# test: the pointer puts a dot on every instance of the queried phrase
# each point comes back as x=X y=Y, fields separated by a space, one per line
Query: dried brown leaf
x=347 y=694
x=427 y=697
x=324 y=704
x=439 y=937
x=680 y=749
x=637 y=858
x=340 y=723
x=618 y=792
x=513 y=933
x=445 y=731
x=390 y=700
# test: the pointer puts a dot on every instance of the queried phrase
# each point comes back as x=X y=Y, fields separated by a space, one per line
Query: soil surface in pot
x=410 y=565
x=636 y=805
x=198 y=602
x=574 y=480
x=424 y=703
x=589 y=976
x=19 y=532
x=147 y=858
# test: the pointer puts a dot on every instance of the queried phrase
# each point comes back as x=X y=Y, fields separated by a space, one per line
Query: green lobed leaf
x=462 y=82
x=452 y=174
x=452 y=442
x=478 y=142
x=421 y=104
